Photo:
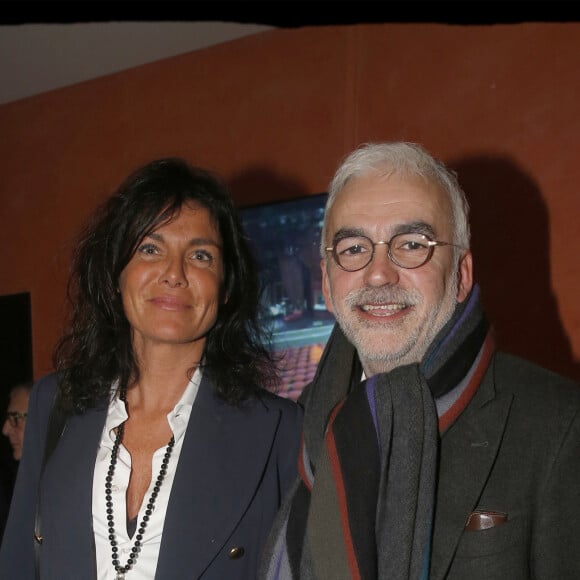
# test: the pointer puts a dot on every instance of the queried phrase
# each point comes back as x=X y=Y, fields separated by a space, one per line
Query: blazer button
x=236 y=552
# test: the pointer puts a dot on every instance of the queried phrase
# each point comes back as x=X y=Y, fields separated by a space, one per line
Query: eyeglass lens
x=14 y=417
x=408 y=250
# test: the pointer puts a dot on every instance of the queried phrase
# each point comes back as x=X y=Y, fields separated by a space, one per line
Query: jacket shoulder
x=46 y=386
x=534 y=381
x=273 y=401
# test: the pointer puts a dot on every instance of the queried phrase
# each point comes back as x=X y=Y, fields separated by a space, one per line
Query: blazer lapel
x=470 y=446
x=69 y=484
x=221 y=462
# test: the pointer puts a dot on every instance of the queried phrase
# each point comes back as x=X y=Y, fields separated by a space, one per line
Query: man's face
x=18 y=404
x=391 y=314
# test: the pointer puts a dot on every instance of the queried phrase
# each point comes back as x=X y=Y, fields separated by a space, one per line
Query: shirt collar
x=177 y=418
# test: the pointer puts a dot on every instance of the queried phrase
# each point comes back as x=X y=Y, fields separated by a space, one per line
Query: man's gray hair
x=402 y=158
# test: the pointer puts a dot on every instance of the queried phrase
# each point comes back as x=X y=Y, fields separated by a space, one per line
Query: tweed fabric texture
x=363 y=505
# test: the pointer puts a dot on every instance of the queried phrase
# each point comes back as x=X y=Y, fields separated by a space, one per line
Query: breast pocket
x=494 y=554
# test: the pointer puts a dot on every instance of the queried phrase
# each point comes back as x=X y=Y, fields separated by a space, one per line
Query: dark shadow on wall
x=262 y=185
x=511 y=247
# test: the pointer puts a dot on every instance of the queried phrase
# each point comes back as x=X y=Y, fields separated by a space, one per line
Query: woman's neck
x=164 y=373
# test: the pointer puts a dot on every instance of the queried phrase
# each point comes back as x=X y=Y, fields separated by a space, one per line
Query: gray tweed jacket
x=514 y=450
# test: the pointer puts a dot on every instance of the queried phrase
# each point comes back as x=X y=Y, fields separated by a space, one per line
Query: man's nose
x=381 y=270
x=6 y=427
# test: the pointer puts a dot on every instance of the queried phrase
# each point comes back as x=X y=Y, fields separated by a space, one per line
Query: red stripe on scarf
x=455 y=410
x=341 y=494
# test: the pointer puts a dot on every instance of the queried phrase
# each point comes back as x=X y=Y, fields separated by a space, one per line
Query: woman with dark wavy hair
x=175 y=455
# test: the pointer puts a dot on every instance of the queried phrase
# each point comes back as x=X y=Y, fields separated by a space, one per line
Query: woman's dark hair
x=96 y=349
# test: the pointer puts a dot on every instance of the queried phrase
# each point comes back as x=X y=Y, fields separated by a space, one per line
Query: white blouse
x=144 y=568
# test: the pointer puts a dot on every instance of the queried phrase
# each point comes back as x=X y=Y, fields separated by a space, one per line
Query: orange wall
x=275 y=112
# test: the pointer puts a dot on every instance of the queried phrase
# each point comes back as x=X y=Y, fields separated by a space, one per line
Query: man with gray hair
x=427 y=453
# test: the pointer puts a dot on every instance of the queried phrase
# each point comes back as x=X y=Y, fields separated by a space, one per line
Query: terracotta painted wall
x=275 y=112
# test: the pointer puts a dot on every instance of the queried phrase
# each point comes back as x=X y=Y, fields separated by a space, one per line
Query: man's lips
x=383 y=310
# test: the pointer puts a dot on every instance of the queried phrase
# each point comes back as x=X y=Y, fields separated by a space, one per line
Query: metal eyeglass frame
x=14 y=417
x=432 y=244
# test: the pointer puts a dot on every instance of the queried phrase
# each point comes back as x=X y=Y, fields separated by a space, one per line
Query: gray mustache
x=382 y=296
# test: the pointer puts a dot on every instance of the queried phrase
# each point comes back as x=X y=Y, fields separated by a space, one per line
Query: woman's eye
x=202 y=257
x=148 y=249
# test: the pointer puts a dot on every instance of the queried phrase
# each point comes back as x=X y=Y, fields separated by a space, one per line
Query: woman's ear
x=225 y=296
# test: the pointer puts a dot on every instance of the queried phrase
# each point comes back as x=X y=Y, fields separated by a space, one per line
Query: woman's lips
x=169 y=303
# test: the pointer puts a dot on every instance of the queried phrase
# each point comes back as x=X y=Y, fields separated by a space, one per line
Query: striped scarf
x=363 y=504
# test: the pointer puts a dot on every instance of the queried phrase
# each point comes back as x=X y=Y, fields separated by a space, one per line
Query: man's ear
x=325 y=286
x=464 y=276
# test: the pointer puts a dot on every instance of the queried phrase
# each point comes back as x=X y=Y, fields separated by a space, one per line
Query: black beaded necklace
x=122 y=570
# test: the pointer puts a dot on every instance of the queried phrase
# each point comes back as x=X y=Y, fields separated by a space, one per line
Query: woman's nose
x=174 y=274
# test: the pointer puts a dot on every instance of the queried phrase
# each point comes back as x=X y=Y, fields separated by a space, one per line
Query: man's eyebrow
x=416 y=227
x=348 y=233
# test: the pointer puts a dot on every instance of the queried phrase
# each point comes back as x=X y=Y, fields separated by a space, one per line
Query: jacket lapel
x=470 y=446
x=222 y=459
x=69 y=484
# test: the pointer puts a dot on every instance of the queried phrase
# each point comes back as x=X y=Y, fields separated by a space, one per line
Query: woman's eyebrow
x=199 y=241
x=204 y=242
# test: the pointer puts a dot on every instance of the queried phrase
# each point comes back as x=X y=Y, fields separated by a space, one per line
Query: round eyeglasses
x=14 y=418
x=407 y=250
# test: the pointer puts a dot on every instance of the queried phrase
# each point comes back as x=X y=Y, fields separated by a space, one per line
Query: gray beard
x=415 y=346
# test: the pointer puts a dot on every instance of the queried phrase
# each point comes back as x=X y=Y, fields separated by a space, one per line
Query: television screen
x=285 y=238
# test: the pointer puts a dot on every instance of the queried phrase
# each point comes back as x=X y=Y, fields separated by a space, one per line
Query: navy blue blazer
x=235 y=466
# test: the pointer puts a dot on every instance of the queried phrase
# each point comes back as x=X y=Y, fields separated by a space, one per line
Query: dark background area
x=15 y=363
x=294 y=13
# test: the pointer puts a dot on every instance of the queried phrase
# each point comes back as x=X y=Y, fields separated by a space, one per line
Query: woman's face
x=172 y=286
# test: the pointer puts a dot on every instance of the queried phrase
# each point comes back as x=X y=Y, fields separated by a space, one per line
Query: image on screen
x=285 y=238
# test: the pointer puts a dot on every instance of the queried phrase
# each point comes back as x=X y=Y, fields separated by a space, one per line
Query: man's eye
x=352 y=247
x=353 y=250
x=410 y=243
x=413 y=245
